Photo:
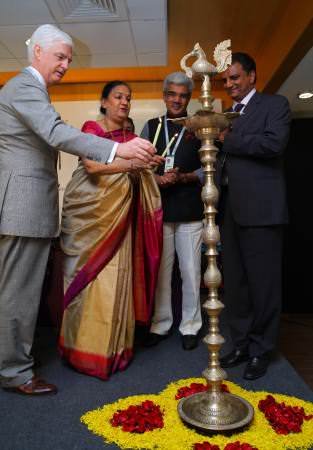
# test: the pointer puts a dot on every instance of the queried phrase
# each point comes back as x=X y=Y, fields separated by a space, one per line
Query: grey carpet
x=52 y=423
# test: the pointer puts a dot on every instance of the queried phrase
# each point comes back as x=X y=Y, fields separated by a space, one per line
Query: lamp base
x=215 y=412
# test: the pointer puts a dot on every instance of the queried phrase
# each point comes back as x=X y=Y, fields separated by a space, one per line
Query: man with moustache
x=31 y=133
x=180 y=186
x=253 y=211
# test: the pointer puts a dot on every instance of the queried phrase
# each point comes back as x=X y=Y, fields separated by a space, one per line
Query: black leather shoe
x=234 y=358
x=256 y=367
x=190 y=341
x=153 y=339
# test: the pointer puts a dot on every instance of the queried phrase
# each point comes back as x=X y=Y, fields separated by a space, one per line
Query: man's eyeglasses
x=172 y=94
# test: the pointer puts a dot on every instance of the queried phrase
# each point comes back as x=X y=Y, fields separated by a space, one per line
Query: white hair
x=45 y=36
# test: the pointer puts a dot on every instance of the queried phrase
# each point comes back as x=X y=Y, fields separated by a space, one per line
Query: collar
x=37 y=75
x=246 y=99
x=170 y=117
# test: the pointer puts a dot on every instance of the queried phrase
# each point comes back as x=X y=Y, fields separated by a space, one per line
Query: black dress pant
x=252 y=270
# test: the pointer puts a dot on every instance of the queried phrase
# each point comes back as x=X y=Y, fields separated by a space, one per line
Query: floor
x=152 y=370
x=295 y=343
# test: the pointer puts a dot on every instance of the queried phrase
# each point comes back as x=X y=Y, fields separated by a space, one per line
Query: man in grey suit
x=31 y=133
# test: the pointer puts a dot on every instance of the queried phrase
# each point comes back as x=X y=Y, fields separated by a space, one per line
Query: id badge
x=169 y=163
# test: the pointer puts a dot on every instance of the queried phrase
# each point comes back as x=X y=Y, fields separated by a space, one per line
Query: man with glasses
x=180 y=186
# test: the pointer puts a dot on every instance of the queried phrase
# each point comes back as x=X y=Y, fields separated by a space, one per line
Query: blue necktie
x=238 y=107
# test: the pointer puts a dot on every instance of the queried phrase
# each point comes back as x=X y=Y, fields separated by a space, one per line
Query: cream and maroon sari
x=111 y=238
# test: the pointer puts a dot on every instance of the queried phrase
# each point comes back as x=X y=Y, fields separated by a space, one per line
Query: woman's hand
x=168 y=179
x=136 y=164
x=118 y=165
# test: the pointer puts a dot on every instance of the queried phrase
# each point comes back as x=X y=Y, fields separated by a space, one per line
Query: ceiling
x=300 y=79
x=135 y=31
x=143 y=40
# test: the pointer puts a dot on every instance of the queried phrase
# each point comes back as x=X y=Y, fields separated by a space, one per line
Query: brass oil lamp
x=214 y=410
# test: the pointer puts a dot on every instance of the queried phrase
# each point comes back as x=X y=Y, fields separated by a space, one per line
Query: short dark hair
x=247 y=62
x=108 y=88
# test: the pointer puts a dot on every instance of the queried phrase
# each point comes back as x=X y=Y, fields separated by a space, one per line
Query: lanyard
x=182 y=131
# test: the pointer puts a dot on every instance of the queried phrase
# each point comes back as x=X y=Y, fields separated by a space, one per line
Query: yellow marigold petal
x=176 y=436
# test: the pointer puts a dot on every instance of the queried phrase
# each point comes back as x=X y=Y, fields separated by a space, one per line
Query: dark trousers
x=252 y=270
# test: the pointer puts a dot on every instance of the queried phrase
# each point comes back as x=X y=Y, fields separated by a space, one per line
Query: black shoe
x=190 y=341
x=153 y=339
x=234 y=358
x=256 y=367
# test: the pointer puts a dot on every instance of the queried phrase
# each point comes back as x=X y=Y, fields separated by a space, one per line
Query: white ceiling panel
x=149 y=9
x=24 y=12
x=102 y=60
x=152 y=59
x=14 y=38
x=150 y=36
x=108 y=37
x=9 y=65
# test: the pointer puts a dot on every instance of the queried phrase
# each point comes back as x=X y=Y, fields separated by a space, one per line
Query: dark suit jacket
x=253 y=152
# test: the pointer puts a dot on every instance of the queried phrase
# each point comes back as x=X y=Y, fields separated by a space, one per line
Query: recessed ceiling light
x=306 y=94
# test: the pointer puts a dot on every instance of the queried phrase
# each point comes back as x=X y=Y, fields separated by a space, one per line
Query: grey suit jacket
x=31 y=132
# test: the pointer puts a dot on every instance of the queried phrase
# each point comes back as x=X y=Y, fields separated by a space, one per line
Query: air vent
x=74 y=9
x=87 y=10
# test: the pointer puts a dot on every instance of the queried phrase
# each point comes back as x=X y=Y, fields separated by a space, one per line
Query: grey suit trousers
x=23 y=263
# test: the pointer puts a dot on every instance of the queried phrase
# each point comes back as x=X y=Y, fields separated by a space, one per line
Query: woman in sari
x=111 y=239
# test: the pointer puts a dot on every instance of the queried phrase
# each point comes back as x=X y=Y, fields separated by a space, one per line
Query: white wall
x=76 y=113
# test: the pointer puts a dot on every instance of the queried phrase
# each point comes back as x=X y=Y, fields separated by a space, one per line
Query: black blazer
x=253 y=154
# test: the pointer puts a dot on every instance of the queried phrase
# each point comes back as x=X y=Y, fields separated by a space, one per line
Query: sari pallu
x=111 y=238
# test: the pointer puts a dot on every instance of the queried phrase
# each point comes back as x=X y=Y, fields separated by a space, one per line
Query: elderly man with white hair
x=31 y=133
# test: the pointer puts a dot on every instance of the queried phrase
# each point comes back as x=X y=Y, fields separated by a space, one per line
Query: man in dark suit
x=253 y=210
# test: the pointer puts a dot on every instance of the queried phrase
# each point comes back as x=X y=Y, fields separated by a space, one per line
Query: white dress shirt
x=245 y=100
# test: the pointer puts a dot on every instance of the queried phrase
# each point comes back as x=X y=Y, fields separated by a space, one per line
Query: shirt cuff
x=112 y=154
